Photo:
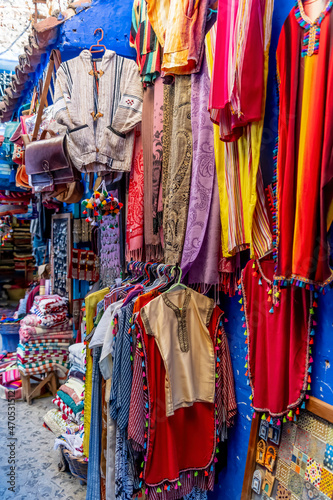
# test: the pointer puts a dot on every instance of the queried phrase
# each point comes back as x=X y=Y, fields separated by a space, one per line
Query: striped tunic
x=100 y=109
x=144 y=40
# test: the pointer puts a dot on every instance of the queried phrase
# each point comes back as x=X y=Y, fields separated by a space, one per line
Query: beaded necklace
x=312 y=29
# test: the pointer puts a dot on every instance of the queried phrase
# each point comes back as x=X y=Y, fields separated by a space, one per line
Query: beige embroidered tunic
x=178 y=320
x=100 y=135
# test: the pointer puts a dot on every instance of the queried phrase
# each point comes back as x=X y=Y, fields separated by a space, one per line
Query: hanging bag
x=46 y=159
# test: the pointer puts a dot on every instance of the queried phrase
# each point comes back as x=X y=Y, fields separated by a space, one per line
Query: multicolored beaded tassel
x=312 y=30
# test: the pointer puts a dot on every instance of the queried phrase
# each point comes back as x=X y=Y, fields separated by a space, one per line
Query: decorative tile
x=289 y=432
x=294 y=497
x=317 y=449
x=282 y=493
x=330 y=434
x=328 y=458
x=320 y=429
x=295 y=484
x=326 y=483
x=282 y=472
x=313 y=472
x=285 y=451
x=299 y=458
x=302 y=441
x=306 y=421
x=310 y=492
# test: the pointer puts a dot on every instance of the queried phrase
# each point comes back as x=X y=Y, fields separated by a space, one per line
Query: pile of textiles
x=73 y=443
x=10 y=380
x=55 y=421
x=70 y=396
x=45 y=337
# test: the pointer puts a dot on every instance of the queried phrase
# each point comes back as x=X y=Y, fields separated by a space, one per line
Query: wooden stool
x=28 y=394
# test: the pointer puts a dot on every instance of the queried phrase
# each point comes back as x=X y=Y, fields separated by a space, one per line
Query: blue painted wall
x=115 y=18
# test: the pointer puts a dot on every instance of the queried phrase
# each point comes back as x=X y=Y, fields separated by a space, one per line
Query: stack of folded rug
x=70 y=396
x=45 y=337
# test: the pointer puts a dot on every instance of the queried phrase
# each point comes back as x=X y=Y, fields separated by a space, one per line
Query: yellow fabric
x=91 y=302
x=309 y=87
x=188 y=354
x=172 y=20
x=158 y=13
x=238 y=162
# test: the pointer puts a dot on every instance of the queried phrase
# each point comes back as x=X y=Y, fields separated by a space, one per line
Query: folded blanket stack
x=45 y=336
x=70 y=396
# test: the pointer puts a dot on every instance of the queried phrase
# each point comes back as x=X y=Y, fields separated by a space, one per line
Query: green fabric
x=69 y=402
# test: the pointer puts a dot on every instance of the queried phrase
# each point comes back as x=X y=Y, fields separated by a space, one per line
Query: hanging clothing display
x=180 y=28
x=170 y=151
x=175 y=473
x=144 y=40
x=238 y=79
x=177 y=165
x=243 y=212
x=100 y=103
x=278 y=325
x=304 y=160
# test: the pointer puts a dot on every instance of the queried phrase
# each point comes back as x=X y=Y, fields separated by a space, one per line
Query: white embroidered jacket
x=100 y=135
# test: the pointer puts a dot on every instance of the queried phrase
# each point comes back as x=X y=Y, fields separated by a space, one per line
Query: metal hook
x=99 y=29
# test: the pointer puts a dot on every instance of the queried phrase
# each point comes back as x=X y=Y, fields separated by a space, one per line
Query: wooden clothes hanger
x=95 y=49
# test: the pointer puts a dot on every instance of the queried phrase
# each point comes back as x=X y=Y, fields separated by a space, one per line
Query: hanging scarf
x=157 y=154
x=278 y=325
x=152 y=240
x=203 y=230
x=134 y=226
x=177 y=165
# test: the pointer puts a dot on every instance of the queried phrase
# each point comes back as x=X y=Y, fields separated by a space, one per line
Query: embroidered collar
x=181 y=317
x=311 y=38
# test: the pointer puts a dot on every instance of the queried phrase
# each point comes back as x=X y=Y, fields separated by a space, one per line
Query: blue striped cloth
x=121 y=386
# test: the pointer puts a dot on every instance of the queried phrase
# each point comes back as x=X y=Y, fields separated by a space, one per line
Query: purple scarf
x=200 y=257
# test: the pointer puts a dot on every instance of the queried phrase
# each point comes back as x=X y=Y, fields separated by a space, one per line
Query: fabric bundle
x=61 y=331
x=57 y=424
x=70 y=395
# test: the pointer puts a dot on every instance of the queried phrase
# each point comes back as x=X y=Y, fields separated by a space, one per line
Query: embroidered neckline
x=180 y=313
x=310 y=44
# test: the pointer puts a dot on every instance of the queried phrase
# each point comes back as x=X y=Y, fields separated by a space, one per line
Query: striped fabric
x=244 y=217
x=64 y=408
x=122 y=371
x=144 y=40
x=100 y=128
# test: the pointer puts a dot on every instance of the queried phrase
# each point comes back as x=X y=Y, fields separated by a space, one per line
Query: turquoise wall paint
x=115 y=18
